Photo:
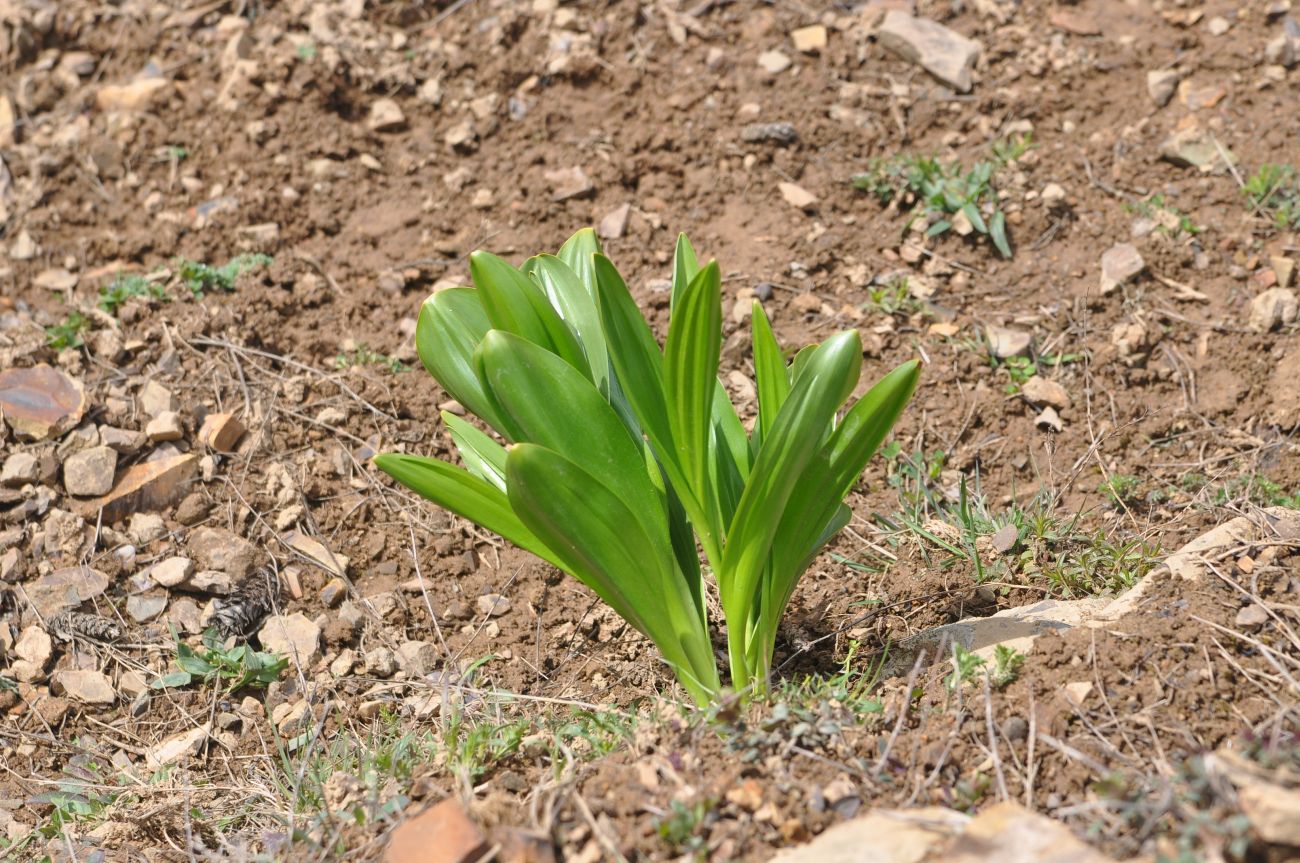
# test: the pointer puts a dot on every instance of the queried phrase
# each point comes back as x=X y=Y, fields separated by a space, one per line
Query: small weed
x=364 y=356
x=237 y=666
x=892 y=298
x=1274 y=191
x=123 y=288
x=964 y=666
x=199 y=278
x=1020 y=369
x=84 y=794
x=306 y=51
x=850 y=688
x=67 y=333
x=1121 y=488
x=968 y=793
x=937 y=191
x=1007 y=662
x=680 y=827
x=1257 y=489
x=1169 y=220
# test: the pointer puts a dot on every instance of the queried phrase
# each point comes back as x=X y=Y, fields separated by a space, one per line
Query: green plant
x=892 y=298
x=236 y=667
x=67 y=333
x=622 y=455
x=937 y=191
x=1007 y=662
x=680 y=826
x=964 y=666
x=199 y=277
x=1169 y=220
x=1259 y=490
x=123 y=288
x=362 y=355
x=1273 y=191
x=1120 y=488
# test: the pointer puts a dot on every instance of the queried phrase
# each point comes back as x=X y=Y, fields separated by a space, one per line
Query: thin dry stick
x=903 y=710
x=1030 y=766
x=993 y=741
x=1070 y=752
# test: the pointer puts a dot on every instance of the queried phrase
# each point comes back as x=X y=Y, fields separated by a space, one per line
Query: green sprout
x=937 y=192
x=199 y=278
x=123 y=288
x=965 y=664
x=1169 y=219
x=1273 y=191
x=236 y=667
x=67 y=333
x=1006 y=665
x=364 y=356
x=623 y=455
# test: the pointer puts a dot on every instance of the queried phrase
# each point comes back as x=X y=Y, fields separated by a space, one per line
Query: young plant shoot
x=620 y=456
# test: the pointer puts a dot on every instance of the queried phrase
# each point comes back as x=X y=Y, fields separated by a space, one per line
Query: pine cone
x=67 y=625
x=253 y=598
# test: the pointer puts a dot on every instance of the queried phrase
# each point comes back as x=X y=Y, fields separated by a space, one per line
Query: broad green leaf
x=577 y=306
x=998 y=232
x=607 y=547
x=685 y=266
x=779 y=467
x=938 y=228
x=691 y=357
x=516 y=305
x=173 y=680
x=729 y=454
x=484 y=457
x=550 y=403
x=972 y=214
x=466 y=495
x=577 y=252
x=452 y=323
x=868 y=422
x=770 y=372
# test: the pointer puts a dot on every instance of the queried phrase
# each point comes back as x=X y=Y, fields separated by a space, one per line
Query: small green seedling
x=123 y=288
x=938 y=192
x=67 y=333
x=199 y=277
x=1169 y=220
x=680 y=827
x=621 y=455
x=1274 y=191
x=364 y=356
x=234 y=667
x=965 y=665
x=1007 y=662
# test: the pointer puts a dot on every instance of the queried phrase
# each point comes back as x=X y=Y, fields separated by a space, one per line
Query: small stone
x=796 y=196
x=293 y=636
x=64 y=589
x=133 y=97
x=154 y=399
x=1077 y=693
x=87 y=687
x=177 y=747
x=763 y=291
x=385 y=116
x=315 y=551
x=430 y=92
x=748 y=795
x=165 y=427
x=1276 y=307
x=90 y=472
x=34 y=646
x=172 y=572
x=774 y=62
x=417 y=658
x=1161 y=85
x=150 y=485
x=1283 y=268
x=614 y=223
x=568 y=183
x=343 y=664
x=1004 y=538
x=1053 y=195
x=1005 y=343
x=381 y=662
x=445 y=827
x=1218 y=25
x=221 y=432
x=20 y=469
x=493 y=604
x=214 y=548
x=334 y=592
x=40 y=402
x=1194 y=148
x=24 y=248
x=193 y=509
x=143 y=607
x=1041 y=391
x=1119 y=265
x=462 y=137
x=1252 y=615
x=55 y=280
x=809 y=40
x=483 y=199
x=211 y=581
x=123 y=441
x=1049 y=420
x=769 y=133
x=332 y=417
x=945 y=54
x=145 y=527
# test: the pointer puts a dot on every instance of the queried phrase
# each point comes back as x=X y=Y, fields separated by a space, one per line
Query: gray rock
x=1005 y=343
x=214 y=548
x=154 y=399
x=211 y=581
x=769 y=133
x=417 y=658
x=1120 y=264
x=166 y=426
x=1276 y=307
x=1041 y=391
x=172 y=572
x=125 y=441
x=944 y=53
x=493 y=604
x=1161 y=85
x=145 y=607
x=292 y=636
x=88 y=687
x=65 y=588
x=20 y=469
x=381 y=662
x=385 y=116
x=89 y=473
x=34 y=646
x=145 y=527
x=774 y=62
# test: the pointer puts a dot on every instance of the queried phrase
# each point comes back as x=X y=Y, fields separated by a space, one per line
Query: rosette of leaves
x=617 y=460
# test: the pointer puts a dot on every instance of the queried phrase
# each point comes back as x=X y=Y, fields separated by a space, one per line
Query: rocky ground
x=223 y=634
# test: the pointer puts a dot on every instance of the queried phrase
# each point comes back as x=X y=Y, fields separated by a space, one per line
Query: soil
x=262 y=143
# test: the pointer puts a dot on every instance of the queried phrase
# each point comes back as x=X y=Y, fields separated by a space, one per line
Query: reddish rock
x=440 y=834
x=151 y=485
x=221 y=432
x=40 y=402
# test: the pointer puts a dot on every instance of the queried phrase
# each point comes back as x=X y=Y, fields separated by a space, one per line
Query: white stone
x=944 y=53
